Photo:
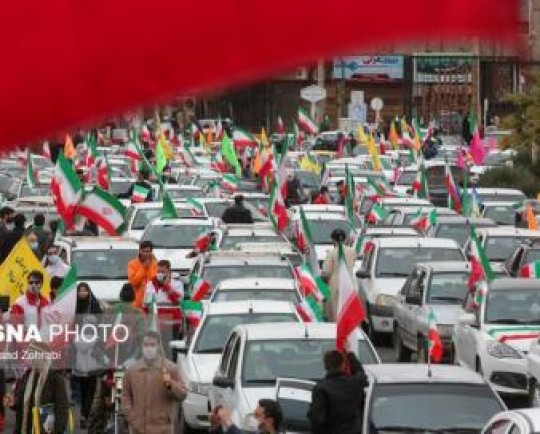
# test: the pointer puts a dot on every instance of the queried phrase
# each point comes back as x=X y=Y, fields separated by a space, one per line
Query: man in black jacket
x=237 y=213
x=337 y=403
x=13 y=236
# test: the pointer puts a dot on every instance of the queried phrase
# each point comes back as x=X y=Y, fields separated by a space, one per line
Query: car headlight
x=199 y=388
x=385 y=300
x=502 y=351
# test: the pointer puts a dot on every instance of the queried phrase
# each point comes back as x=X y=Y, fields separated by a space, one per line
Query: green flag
x=168 y=211
x=161 y=159
x=229 y=155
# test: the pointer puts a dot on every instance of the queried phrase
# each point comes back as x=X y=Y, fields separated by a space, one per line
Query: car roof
x=446 y=266
x=257 y=283
x=391 y=373
x=500 y=203
x=509 y=231
x=530 y=414
x=158 y=205
x=498 y=191
x=324 y=216
x=182 y=187
x=508 y=284
x=99 y=243
x=202 y=221
x=269 y=331
x=408 y=209
x=390 y=201
x=245 y=306
x=244 y=258
x=460 y=220
x=313 y=208
x=250 y=231
x=391 y=230
x=416 y=241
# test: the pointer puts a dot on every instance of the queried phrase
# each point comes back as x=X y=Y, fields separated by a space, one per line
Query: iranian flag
x=168 y=210
x=230 y=182
x=303 y=233
x=133 y=151
x=306 y=123
x=204 y=242
x=105 y=210
x=192 y=310
x=531 y=271
x=481 y=271
x=434 y=338
x=200 y=288
x=66 y=190
x=307 y=283
x=420 y=186
x=277 y=209
x=196 y=206
x=310 y=310
x=217 y=164
x=140 y=193
x=376 y=214
x=452 y=188
x=62 y=311
x=350 y=310
x=243 y=138
x=31 y=174
x=378 y=189
x=97 y=163
x=424 y=221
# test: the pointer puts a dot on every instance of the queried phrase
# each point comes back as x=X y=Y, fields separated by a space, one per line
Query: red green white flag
x=420 y=185
x=193 y=311
x=277 y=209
x=423 y=221
x=66 y=190
x=310 y=310
x=199 y=288
x=243 y=138
x=452 y=189
x=104 y=210
x=140 y=193
x=308 y=283
x=376 y=214
x=434 y=338
x=531 y=271
x=350 y=310
x=230 y=182
x=306 y=123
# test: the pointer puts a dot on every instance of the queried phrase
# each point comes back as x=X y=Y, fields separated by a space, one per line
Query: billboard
x=443 y=68
x=368 y=68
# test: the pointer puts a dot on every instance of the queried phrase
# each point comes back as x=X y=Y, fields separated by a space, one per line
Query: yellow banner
x=15 y=269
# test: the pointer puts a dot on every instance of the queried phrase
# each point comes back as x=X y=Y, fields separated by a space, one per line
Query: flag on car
x=376 y=214
x=66 y=190
x=242 y=138
x=350 y=310
x=481 y=271
x=531 y=219
x=374 y=154
x=31 y=175
x=193 y=312
x=205 y=242
x=140 y=193
x=230 y=182
x=420 y=185
x=452 y=188
x=199 y=288
x=196 y=206
x=393 y=136
x=435 y=345
x=423 y=221
x=308 y=284
x=69 y=149
x=228 y=153
x=309 y=309
x=105 y=210
x=306 y=123
x=168 y=210
x=277 y=210
x=217 y=164
x=531 y=271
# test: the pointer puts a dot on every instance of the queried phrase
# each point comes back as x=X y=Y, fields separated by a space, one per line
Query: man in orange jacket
x=142 y=270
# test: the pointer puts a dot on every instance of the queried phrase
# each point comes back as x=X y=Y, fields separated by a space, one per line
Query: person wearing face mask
x=27 y=308
x=42 y=235
x=142 y=270
x=268 y=415
x=151 y=391
x=39 y=387
x=33 y=242
x=54 y=264
x=166 y=293
x=6 y=220
x=13 y=236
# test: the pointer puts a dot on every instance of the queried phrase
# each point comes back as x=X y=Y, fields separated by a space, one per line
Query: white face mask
x=150 y=353
x=53 y=259
x=34 y=245
x=161 y=277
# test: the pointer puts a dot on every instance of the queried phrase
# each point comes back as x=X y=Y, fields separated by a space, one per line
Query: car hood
x=177 y=257
x=106 y=290
x=519 y=337
x=205 y=365
x=135 y=234
x=446 y=313
x=388 y=286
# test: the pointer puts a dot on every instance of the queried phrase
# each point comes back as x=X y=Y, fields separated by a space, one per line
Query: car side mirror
x=223 y=382
x=412 y=300
x=468 y=319
x=179 y=346
x=362 y=274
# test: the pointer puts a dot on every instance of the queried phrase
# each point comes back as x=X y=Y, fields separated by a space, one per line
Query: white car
x=404 y=215
x=385 y=267
x=174 y=239
x=416 y=398
x=253 y=288
x=525 y=421
x=256 y=355
x=495 y=339
x=100 y=261
x=177 y=192
x=533 y=368
x=502 y=213
x=390 y=202
x=233 y=235
x=198 y=359
x=140 y=215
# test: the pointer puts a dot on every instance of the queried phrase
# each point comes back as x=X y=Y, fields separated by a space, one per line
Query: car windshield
x=216 y=328
x=399 y=262
x=264 y=361
x=458 y=232
x=120 y=187
x=42 y=163
x=216 y=209
x=174 y=236
x=322 y=229
x=406 y=178
x=181 y=193
x=106 y=264
x=499 y=248
x=145 y=216
x=531 y=256
x=495 y=159
x=214 y=274
x=231 y=242
x=501 y=214
x=308 y=179
x=255 y=294
x=516 y=306
x=448 y=288
x=38 y=190
x=502 y=197
x=394 y=407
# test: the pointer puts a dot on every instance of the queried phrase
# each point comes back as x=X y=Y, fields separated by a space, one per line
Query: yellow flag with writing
x=375 y=158
x=15 y=269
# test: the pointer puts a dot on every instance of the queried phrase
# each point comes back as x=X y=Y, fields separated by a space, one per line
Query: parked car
x=525 y=421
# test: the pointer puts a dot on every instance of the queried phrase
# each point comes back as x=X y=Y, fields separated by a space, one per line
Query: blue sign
x=369 y=68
